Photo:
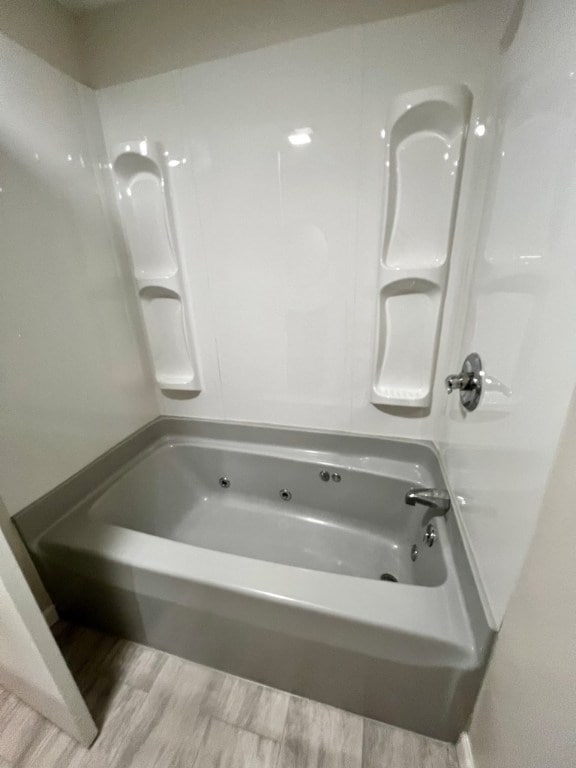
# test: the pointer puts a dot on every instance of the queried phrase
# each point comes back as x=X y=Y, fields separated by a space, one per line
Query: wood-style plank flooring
x=159 y=711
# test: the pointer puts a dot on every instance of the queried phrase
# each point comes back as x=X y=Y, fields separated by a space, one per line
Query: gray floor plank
x=19 y=726
x=388 y=747
x=248 y=705
x=227 y=746
x=51 y=748
x=159 y=711
x=169 y=726
x=188 y=682
x=135 y=665
x=124 y=714
x=318 y=736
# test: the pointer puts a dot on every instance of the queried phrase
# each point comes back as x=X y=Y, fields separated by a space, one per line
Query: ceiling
x=82 y=5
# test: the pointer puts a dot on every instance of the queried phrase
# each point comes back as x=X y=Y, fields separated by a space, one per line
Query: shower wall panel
x=277 y=163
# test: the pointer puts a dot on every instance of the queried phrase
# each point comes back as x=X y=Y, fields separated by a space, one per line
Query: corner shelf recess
x=427 y=135
x=148 y=222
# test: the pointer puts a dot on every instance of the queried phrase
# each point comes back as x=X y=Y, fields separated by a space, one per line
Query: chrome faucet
x=434 y=498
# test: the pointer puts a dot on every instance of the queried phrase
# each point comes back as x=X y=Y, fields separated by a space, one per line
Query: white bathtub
x=286 y=591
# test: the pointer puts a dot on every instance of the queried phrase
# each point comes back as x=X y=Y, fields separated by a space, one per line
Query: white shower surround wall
x=282 y=243
x=520 y=312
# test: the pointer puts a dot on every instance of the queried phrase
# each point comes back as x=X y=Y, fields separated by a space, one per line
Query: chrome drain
x=285 y=494
x=224 y=482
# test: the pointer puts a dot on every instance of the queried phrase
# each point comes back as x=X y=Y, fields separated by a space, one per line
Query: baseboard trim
x=464 y=751
x=51 y=615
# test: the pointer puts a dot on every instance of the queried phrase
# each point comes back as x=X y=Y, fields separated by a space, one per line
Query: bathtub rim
x=35 y=518
x=433 y=623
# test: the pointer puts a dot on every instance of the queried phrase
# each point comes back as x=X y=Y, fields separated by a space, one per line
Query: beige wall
x=47 y=29
x=525 y=716
x=139 y=38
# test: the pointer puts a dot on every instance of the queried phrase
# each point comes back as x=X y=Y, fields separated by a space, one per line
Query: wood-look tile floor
x=158 y=711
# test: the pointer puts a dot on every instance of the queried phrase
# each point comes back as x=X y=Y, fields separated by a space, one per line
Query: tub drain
x=388 y=577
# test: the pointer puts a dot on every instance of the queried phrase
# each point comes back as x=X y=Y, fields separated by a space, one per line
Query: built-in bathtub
x=225 y=545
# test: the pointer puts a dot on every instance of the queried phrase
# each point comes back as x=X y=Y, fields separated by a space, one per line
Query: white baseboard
x=464 y=751
x=51 y=615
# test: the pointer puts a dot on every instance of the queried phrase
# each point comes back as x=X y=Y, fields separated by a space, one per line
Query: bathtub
x=286 y=557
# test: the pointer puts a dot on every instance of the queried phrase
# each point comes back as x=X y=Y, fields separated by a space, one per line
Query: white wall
x=525 y=714
x=281 y=244
x=73 y=383
x=520 y=315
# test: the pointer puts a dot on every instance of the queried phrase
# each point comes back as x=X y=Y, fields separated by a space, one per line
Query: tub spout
x=434 y=498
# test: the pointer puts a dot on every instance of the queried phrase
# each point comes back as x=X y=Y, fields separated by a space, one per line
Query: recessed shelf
x=148 y=222
x=175 y=383
x=424 y=159
x=145 y=216
x=408 y=316
x=164 y=321
x=425 y=153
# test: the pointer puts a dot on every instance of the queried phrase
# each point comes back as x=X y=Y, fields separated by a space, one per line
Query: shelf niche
x=408 y=313
x=145 y=219
x=148 y=223
x=427 y=136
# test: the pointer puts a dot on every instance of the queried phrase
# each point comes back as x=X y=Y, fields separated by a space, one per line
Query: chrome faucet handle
x=450 y=382
x=454 y=381
x=462 y=381
x=468 y=381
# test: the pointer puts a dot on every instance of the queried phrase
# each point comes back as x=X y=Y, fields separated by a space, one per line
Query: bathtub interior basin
x=278 y=508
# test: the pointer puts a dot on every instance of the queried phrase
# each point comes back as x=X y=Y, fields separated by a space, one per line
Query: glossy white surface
x=427 y=134
x=427 y=131
x=73 y=383
x=520 y=315
x=141 y=193
x=282 y=237
x=147 y=213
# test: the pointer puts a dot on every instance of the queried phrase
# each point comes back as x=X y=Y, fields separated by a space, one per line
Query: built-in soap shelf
x=148 y=222
x=426 y=140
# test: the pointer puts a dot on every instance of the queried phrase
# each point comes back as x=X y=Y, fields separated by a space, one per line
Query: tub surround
x=281 y=242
